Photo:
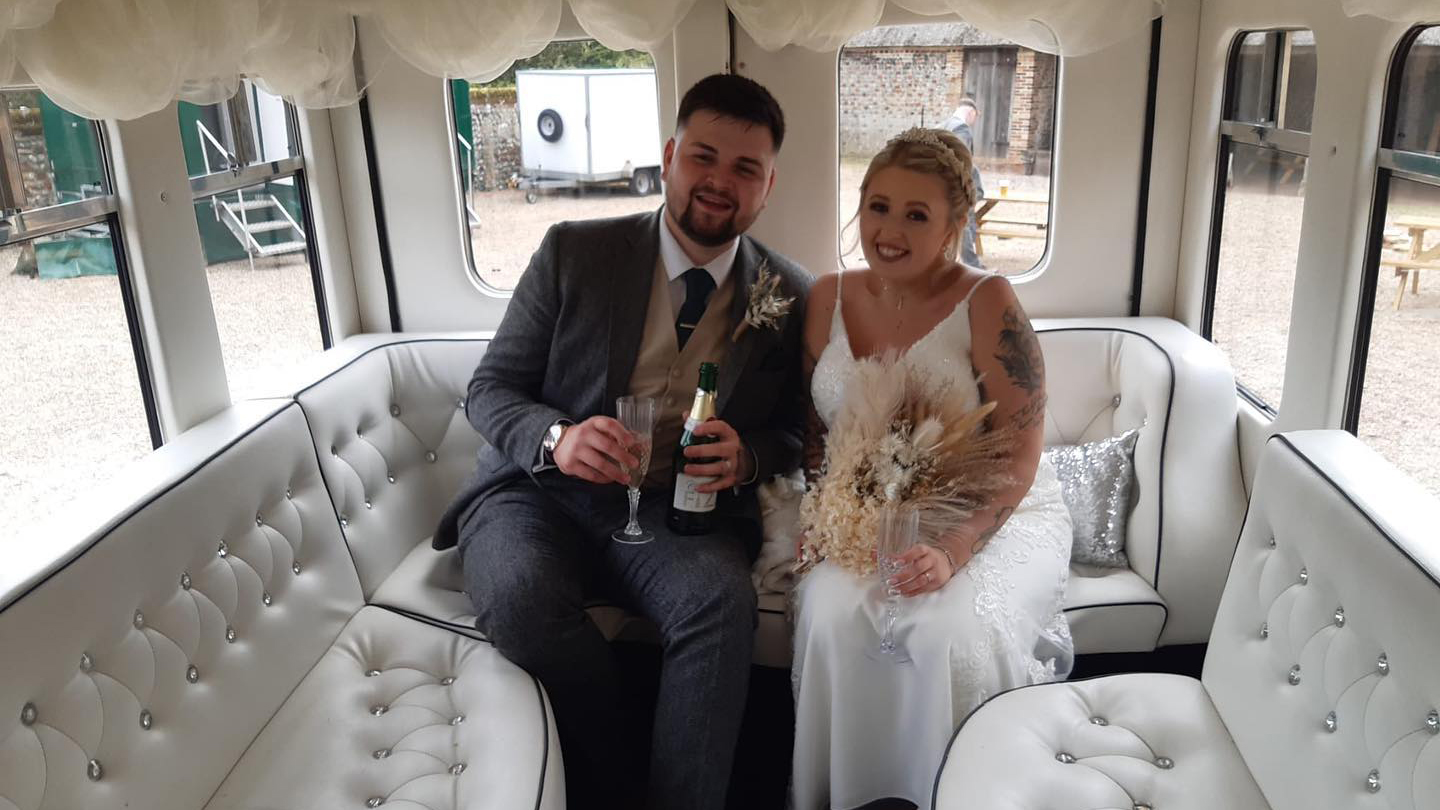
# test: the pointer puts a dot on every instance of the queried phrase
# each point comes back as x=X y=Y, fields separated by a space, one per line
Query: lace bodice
x=944 y=353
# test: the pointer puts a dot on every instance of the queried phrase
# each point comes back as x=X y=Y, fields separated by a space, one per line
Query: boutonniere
x=767 y=307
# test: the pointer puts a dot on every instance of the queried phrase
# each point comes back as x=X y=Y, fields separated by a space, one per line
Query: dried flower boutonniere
x=766 y=307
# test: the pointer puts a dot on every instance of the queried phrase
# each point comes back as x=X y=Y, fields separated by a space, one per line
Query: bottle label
x=687 y=496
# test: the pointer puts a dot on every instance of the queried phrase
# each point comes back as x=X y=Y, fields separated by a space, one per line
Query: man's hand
x=593 y=451
x=728 y=460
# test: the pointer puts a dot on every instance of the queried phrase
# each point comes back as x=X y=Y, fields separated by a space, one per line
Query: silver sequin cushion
x=1097 y=481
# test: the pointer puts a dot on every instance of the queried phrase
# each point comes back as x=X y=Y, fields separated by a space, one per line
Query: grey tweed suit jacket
x=568 y=344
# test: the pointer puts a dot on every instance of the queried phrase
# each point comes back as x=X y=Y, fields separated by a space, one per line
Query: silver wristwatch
x=552 y=438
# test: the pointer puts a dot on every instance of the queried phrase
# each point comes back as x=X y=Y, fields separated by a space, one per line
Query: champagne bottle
x=692 y=512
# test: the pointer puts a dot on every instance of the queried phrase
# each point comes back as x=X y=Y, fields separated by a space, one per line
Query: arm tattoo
x=1031 y=414
x=984 y=538
x=1020 y=351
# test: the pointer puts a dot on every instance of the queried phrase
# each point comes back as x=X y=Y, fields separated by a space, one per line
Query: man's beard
x=726 y=232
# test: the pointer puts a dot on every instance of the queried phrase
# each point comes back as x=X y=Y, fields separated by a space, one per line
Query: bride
x=981 y=611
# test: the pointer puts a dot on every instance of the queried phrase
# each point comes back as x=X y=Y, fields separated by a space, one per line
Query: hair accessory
x=930 y=138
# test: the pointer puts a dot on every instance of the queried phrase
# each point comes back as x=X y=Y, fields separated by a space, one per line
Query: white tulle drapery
x=623 y=25
x=108 y=59
x=1408 y=11
x=1064 y=27
x=464 y=39
x=124 y=59
x=820 y=25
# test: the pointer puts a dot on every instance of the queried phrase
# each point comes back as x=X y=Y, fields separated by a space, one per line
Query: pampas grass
x=901 y=437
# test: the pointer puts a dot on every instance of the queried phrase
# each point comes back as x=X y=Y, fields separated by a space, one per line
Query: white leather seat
x=1319 y=687
x=209 y=620
x=384 y=407
x=1105 y=376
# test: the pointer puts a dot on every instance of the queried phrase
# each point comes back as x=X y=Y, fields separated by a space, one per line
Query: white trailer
x=588 y=126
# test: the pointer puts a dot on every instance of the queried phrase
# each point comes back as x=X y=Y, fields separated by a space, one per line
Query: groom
x=633 y=305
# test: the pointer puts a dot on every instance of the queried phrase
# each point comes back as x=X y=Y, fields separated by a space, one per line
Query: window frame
x=1390 y=164
x=26 y=225
x=237 y=176
x=1265 y=135
x=452 y=126
x=1042 y=264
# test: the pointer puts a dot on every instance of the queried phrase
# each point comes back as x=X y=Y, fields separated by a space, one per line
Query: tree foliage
x=582 y=53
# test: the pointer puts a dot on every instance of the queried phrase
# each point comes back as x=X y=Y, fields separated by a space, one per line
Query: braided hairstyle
x=931 y=151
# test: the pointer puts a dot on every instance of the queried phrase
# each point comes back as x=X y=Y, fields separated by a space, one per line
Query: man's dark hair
x=734 y=97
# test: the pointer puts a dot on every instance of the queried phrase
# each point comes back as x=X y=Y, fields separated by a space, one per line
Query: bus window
x=77 y=401
x=1395 y=388
x=1260 y=199
x=570 y=133
x=996 y=95
x=247 y=175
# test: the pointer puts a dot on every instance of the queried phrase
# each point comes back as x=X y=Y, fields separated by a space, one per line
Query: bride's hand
x=926 y=569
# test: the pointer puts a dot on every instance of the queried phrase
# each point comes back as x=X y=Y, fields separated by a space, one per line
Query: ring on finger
x=927 y=578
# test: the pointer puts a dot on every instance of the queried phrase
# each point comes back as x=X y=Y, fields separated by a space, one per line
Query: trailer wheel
x=550 y=125
x=642 y=182
x=531 y=197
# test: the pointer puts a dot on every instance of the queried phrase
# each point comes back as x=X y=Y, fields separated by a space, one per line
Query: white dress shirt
x=676 y=263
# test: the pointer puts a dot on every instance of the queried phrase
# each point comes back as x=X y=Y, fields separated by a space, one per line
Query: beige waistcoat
x=670 y=375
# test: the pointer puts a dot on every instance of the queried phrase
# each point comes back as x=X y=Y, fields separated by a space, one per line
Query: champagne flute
x=637 y=416
x=899 y=528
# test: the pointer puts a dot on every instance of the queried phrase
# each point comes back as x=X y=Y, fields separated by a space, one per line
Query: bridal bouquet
x=900 y=437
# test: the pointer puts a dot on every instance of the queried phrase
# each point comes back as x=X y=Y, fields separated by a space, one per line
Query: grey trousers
x=531 y=562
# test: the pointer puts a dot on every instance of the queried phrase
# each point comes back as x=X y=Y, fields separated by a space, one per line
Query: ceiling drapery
x=1408 y=11
x=108 y=59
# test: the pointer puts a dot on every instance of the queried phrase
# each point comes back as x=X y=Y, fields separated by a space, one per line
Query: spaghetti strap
x=837 y=320
x=976 y=286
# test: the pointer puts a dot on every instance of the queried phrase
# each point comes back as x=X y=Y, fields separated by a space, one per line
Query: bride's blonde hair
x=928 y=151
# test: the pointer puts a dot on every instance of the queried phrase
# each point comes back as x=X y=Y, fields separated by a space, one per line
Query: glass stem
x=633 y=527
x=892 y=612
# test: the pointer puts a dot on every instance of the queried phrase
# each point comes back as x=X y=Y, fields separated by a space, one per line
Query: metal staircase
x=247 y=217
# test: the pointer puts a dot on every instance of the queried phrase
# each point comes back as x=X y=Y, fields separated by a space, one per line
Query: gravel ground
x=1401 y=405
x=73 y=411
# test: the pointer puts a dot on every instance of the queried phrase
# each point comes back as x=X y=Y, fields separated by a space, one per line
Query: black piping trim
x=382 y=234
x=344 y=536
x=1160 y=605
x=138 y=508
x=357 y=358
x=545 y=735
x=770 y=611
x=470 y=633
x=935 y=793
x=1369 y=518
x=1147 y=160
x=1164 y=437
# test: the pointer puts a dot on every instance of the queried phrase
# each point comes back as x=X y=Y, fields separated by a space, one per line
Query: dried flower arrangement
x=900 y=437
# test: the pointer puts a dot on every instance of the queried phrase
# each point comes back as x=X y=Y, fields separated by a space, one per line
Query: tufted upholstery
x=382 y=407
x=161 y=651
x=1319 y=688
x=1108 y=375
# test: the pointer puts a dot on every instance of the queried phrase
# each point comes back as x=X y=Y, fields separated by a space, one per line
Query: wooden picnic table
x=987 y=223
x=1418 y=257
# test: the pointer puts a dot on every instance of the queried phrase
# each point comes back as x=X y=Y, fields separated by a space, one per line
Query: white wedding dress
x=867 y=729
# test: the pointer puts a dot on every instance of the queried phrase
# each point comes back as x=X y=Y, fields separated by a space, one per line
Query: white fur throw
x=780 y=513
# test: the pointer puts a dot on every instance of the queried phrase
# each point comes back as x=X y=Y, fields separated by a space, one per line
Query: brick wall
x=886 y=90
x=26 y=131
x=497 y=143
